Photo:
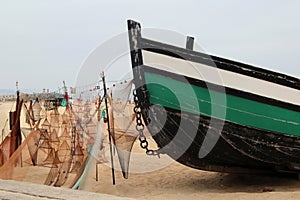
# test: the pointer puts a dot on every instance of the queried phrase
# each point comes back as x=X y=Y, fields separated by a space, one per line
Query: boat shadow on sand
x=231 y=183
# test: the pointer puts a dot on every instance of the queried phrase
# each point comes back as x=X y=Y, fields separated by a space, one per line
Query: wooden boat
x=216 y=114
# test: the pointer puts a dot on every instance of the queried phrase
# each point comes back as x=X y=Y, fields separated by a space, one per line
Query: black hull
x=238 y=148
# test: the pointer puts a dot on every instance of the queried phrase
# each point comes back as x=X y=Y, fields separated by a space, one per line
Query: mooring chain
x=140 y=127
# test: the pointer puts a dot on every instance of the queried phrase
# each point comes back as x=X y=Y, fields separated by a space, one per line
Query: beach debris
x=268 y=189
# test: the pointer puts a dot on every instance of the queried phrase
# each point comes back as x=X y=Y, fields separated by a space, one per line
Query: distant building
x=41 y=96
x=8 y=97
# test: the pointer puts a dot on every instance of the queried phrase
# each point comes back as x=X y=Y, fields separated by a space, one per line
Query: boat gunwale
x=221 y=63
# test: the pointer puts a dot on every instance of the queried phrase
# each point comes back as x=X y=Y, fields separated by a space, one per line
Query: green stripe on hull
x=189 y=98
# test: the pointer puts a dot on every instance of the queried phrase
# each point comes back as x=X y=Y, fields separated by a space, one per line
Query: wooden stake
x=96 y=171
x=108 y=129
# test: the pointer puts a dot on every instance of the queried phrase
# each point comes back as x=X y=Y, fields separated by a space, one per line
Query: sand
x=176 y=181
x=5 y=107
x=14 y=190
x=162 y=178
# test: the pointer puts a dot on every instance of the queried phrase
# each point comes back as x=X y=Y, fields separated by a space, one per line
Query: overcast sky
x=38 y=38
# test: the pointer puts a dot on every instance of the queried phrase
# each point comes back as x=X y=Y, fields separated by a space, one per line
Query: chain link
x=140 y=127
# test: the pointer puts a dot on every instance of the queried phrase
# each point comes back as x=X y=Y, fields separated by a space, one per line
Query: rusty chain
x=140 y=127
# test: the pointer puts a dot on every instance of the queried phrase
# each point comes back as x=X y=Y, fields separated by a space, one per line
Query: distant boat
x=213 y=113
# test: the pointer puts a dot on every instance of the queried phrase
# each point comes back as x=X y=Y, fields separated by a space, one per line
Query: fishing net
x=17 y=167
x=92 y=133
x=4 y=150
x=48 y=154
x=36 y=110
x=11 y=141
x=123 y=126
x=61 y=147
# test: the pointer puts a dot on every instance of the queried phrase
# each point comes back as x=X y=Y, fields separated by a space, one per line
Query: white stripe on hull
x=222 y=77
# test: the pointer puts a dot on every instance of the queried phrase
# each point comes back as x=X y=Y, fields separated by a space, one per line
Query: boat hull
x=238 y=148
x=245 y=120
x=243 y=139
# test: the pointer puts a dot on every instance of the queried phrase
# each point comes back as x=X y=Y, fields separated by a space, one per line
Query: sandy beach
x=176 y=181
x=5 y=107
x=163 y=178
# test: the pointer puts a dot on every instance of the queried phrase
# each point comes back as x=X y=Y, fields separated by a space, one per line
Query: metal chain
x=140 y=127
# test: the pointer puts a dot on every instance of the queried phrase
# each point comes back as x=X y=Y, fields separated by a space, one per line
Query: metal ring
x=144 y=144
x=140 y=127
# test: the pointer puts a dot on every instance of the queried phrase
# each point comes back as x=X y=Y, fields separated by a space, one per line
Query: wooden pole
x=16 y=137
x=108 y=129
x=112 y=124
x=96 y=171
x=98 y=118
x=189 y=43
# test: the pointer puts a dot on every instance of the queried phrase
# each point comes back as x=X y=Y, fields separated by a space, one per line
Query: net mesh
x=123 y=126
x=62 y=145
x=51 y=150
